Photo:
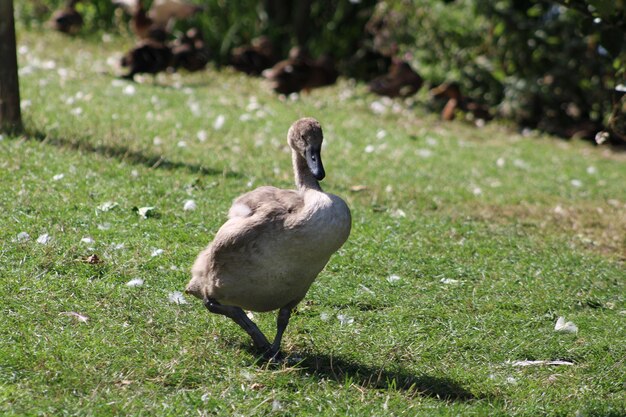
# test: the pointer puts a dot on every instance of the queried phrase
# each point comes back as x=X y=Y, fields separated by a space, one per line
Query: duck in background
x=161 y=15
x=301 y=72
x=451 y=93
x=164 y=13
x=456 y=101
x=323 y=72
x=150 y=56
x=400 y=81
x=255 y=58
x=190 y=51
x=140 y=24
x=67 y=20
x=367 y=63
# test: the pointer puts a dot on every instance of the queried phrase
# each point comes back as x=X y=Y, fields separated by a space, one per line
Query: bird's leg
x=281 y=324
x=240 y=317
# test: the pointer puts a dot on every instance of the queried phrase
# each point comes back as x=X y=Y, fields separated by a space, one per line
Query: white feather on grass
x=566 y=327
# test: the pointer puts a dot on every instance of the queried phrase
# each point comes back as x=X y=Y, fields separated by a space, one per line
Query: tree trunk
x=10 y=116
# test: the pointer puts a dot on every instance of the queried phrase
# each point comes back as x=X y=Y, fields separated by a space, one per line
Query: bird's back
x=272 y=247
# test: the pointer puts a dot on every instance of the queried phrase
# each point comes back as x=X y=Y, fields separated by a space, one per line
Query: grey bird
x=274 y=244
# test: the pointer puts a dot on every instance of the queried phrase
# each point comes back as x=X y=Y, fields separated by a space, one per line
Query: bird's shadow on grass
x=128 y=155
x=345 y=371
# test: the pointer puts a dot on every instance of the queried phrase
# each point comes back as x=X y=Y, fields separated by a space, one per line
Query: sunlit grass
x=467 y=245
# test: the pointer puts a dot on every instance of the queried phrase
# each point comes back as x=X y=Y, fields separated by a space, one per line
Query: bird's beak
x=314 y=162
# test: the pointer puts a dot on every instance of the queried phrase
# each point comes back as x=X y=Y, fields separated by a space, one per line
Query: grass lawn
x=467 y=245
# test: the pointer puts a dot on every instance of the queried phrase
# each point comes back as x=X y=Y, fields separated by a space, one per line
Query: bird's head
x=305 y=137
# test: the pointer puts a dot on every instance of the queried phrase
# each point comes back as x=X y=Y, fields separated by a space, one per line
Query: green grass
x=493 y=236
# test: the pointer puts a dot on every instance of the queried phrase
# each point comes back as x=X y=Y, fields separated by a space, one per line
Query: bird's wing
x=271 y=201
x=263 y=211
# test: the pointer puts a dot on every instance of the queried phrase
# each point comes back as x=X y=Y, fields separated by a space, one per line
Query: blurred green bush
x=549 y=65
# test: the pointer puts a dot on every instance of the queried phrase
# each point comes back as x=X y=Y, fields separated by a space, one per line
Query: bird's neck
x=303 y=176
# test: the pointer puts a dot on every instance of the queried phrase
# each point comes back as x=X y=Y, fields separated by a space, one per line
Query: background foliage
x=545 y=64
x=553 y=65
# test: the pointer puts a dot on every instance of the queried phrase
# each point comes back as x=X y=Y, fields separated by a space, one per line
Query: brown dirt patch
x=599 y=228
